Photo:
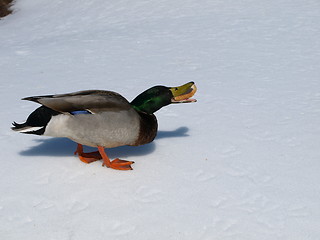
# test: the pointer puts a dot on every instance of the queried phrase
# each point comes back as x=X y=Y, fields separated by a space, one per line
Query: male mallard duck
x=103 y=119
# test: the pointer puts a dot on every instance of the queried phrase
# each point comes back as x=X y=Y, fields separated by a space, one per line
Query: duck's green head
x=157 y=97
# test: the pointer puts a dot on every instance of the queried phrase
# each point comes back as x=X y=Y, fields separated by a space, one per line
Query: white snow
x=242 y=163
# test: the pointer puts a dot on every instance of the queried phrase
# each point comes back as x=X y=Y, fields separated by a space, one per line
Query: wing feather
x=91 y=100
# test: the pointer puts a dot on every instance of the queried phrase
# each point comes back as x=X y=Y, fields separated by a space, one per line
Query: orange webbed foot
x=117 y=163
x=87 y=157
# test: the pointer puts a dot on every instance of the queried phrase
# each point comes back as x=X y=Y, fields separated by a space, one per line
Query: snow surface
x=241 y=163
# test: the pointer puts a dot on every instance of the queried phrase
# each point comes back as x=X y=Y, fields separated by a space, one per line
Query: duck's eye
x=176 y=89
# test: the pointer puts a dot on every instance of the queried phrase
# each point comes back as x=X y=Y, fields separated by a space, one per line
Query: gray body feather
x=106 y=129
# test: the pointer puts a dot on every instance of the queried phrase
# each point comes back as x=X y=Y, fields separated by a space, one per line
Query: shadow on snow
x=66 y=147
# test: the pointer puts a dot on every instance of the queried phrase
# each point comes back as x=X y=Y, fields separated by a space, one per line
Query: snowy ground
x=241 y=163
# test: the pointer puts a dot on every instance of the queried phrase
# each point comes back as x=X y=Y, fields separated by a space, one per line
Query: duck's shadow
x=65 y=147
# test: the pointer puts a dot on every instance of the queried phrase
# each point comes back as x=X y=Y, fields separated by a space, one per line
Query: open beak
x=183 y=93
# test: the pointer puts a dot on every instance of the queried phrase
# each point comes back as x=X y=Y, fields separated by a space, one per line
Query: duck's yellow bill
x=184 y=93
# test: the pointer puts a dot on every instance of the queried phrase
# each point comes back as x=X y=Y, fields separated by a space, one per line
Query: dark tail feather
x=17 y=126
x=25 y=128
x=36 y=122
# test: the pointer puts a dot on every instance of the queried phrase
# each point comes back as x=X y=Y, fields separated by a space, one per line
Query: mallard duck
x=102 y=119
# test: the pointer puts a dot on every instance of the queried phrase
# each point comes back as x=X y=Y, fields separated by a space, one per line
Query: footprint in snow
x=147 y=195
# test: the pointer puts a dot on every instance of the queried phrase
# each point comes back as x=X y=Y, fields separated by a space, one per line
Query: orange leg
x=87 y=157
x=116 y=163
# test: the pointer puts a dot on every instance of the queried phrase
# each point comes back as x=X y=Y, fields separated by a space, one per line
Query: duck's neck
x=148 y=128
